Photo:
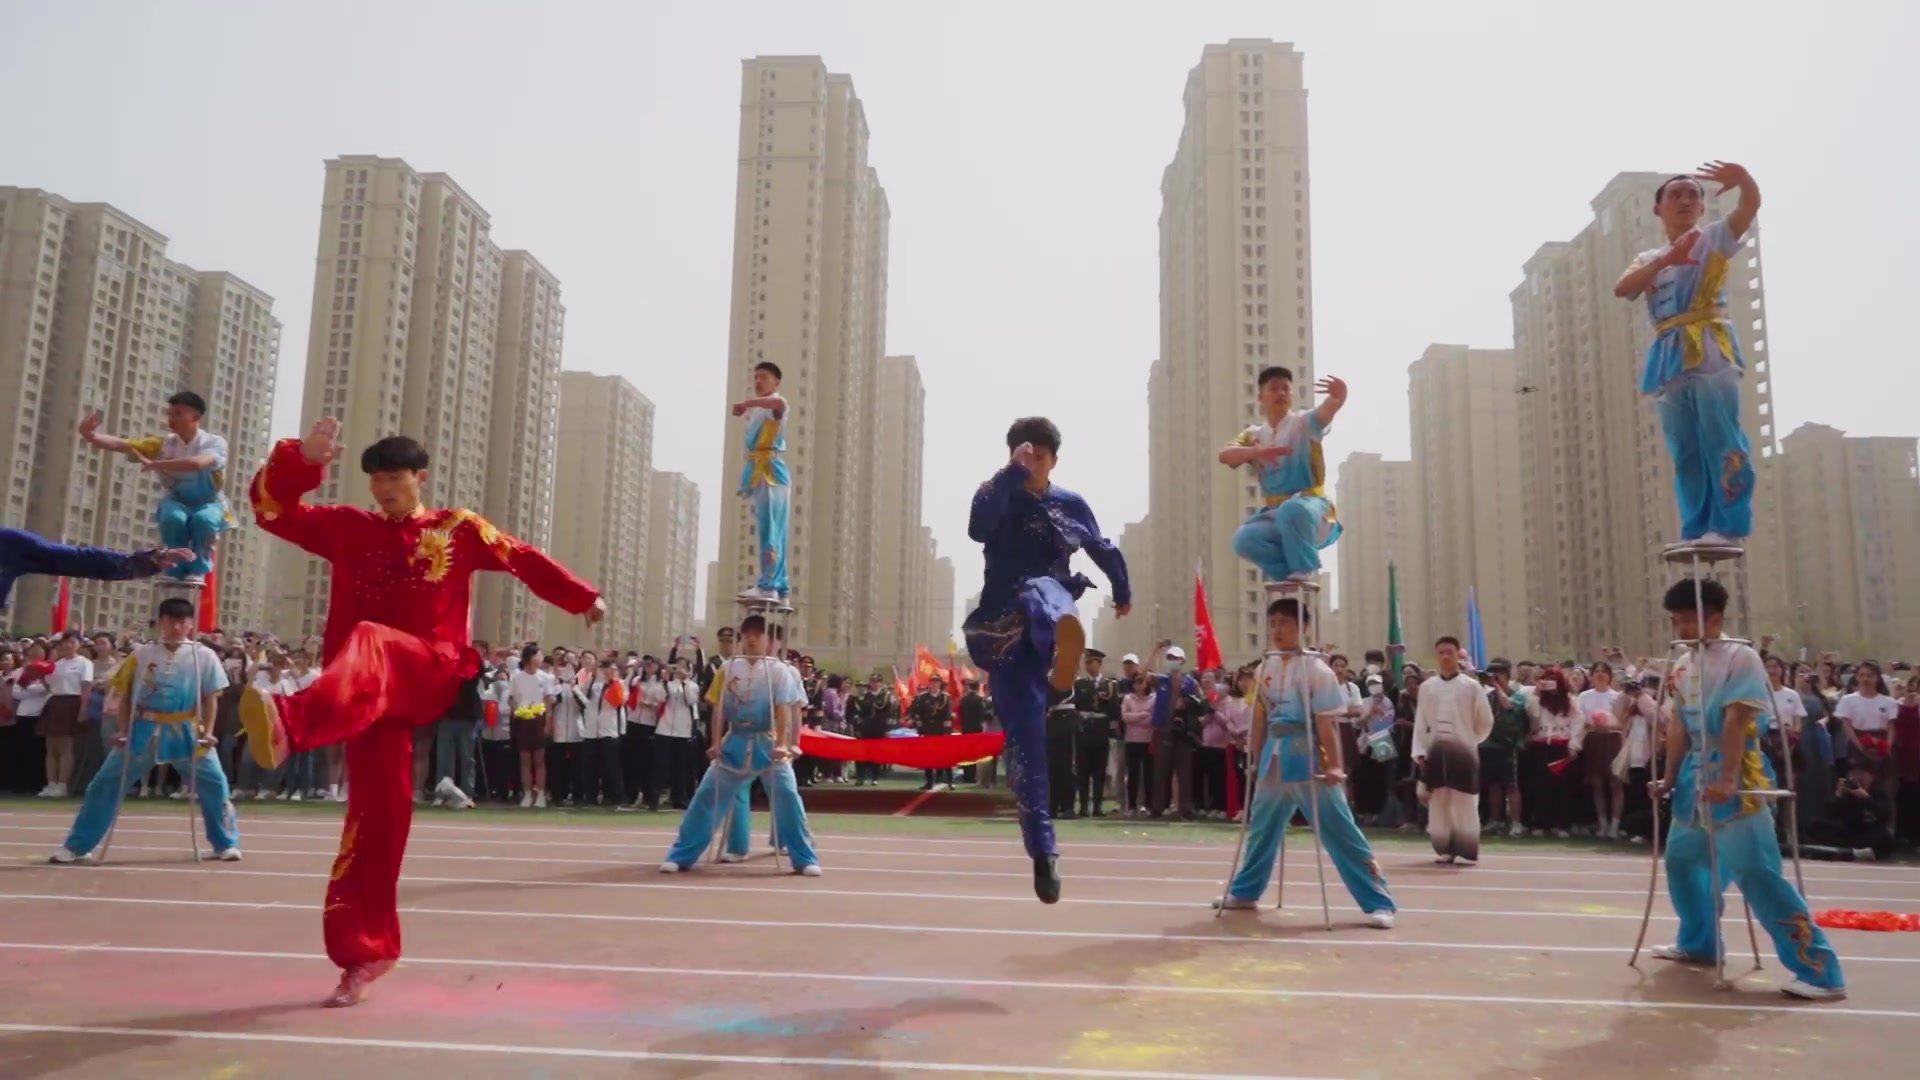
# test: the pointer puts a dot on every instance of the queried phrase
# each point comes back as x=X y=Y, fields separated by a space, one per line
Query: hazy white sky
x=1021 y=145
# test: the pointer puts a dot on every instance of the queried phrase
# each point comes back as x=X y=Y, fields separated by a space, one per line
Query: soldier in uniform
x=976 y=715
x=1096 y=699
x=1063 y=729
x=932 y=714
x=871 y=715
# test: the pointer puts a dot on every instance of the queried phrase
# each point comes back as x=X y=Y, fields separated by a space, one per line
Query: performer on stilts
x=23 y=553
x=191 y=462
x=1694 y=366
x=1295 y=687
x=167 y=691
x=764 y=480
x=755 y=724
x=1026 y=633
x=1284 y=538
x=396 y=653
x=1723 y=704
x=1451 y=721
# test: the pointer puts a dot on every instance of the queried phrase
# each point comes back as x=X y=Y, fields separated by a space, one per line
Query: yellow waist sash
x=762 y=467
x=1317 y=491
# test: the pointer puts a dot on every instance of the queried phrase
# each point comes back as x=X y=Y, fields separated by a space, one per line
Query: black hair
x=1376 y=656
x=1272 y=372
x=1500 y=665
x=191 y=400
x=528 y=653
x=1660 y=192
x=175 y=607
x=1336 y=658
x=1289 y=608
x=753 y=624
x=395 y=453
x=1037 y=430
x=1682 y=596
x=770 y=368
x=835 y=682
x=1446 y=639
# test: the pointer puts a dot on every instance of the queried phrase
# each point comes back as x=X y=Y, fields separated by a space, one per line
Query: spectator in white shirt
x=1550 y=713
x=672 y=765
x=1597 y=739
x=60 y=718
x=1866 y=717
x=649 y=696
x=497 y=766
x=565 y=751
x=530 y=702
x=603 y=710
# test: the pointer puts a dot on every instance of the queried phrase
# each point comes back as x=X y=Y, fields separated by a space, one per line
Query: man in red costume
x=396 y=652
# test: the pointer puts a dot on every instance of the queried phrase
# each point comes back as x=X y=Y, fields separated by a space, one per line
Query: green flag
x=1396 y=645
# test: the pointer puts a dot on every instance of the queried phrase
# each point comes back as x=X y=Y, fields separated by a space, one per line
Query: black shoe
x=1065 y=815
x=1046 y=879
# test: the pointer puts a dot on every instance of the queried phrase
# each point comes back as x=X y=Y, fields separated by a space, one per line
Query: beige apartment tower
x=1134 y=634
x=1235 y=295
x=897 y=600
x=1380 y=508
x=809 y=294
x=941 y=621
x=1853 y=553
x=673 y=539
x=1465 y=413
x=97 y=317
x=602 y=506
x=523 y=438
x=406 y=338
x=1598 y=490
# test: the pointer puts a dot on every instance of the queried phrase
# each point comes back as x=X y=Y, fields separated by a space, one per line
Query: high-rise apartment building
x=406 y=338
x=1853 y=554
x=602 y=506
x=1380 y=508
x=97 y=317
x=1235 y=295
x=809 y=294
x=1598 y=490
x=1464 y=407
x=1134 y=634
x=673 y=539
x=523 y=438
x=897 y=590
x=941 y=624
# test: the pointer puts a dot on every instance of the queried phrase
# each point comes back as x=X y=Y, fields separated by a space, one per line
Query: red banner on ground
x=920 y=752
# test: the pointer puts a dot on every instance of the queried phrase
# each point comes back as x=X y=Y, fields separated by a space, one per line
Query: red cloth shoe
x=354 y=983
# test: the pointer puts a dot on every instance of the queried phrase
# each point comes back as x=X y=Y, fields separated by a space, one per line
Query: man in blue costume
x=1026 y=632
x=1694 y=366
x=23 y=553
x=1725 y=704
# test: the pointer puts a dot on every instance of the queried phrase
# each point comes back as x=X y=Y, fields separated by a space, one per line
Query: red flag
x=901 y=691
x=210 y=596
x=1206 y=646
x=62 y=606
x=926 y=670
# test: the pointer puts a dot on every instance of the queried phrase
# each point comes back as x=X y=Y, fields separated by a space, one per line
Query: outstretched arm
x=1105 y=555
x=773 y=402
x=112 y=444
x=295 y=468
x=539 y=571
x=23 y=552
x=1729 y=175
x=991 y=500
x=1334 y=398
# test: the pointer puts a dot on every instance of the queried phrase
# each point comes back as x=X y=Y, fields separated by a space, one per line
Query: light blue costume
x=765 y=482
x=194 y=510
x=1744 y=834
x=167 y=687
x=1285 y=537
x=751 y=689
x=1295 y=690
x=1693 y=370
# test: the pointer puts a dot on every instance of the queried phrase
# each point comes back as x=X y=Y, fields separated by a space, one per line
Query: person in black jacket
x=932 y=714
x=871 y=713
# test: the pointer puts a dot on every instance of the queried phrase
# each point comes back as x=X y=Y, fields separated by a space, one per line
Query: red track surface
x=539 y=948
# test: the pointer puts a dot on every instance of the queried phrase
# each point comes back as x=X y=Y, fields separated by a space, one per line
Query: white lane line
x=1052 y=986
x=1875 y=874
x=1207 y=882
x=578 y=1052
x=1372 y=939
x=1422 y=867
